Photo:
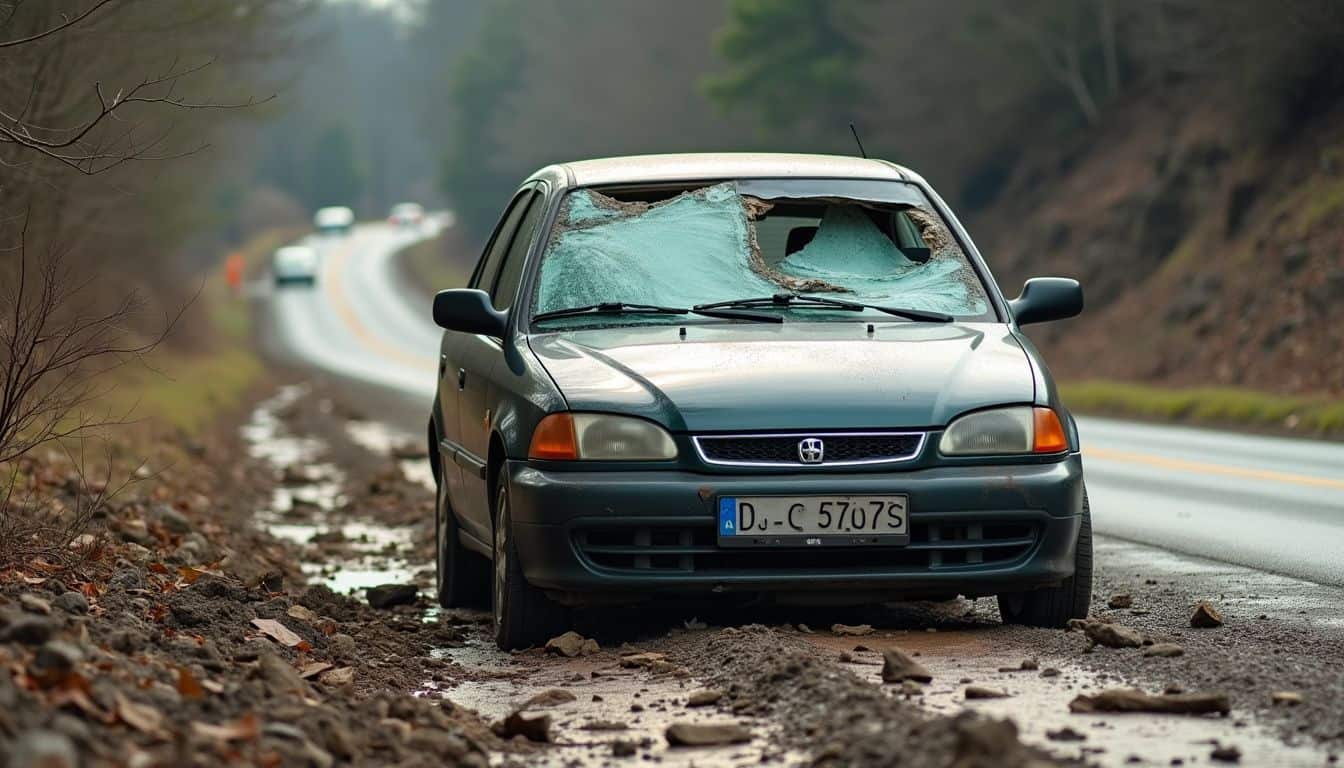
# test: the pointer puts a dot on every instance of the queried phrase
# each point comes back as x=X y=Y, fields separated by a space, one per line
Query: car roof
x=639 y=169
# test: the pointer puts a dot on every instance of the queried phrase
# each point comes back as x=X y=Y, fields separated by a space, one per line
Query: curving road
x=1268 y=503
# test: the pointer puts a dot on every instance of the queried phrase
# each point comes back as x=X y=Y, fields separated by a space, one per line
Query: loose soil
x=222 y=616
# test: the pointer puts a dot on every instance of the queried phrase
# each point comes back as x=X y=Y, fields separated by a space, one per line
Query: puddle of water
x=604 y=693
x=382 y=439
x=302 y=506
x=1040 y=704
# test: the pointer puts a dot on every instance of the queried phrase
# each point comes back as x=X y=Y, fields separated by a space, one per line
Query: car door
x=483 y=355
x=460 y=359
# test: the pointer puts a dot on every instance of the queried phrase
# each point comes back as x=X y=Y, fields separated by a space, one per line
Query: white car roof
x=729 y=165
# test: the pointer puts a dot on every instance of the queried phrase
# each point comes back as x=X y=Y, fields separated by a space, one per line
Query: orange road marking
x=1212 y=469
x=333 y=282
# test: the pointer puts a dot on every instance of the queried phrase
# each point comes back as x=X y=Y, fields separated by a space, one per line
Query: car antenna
x=855 y=131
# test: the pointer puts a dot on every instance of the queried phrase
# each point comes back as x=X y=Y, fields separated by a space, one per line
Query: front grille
x=837 y=449
x=692 y=549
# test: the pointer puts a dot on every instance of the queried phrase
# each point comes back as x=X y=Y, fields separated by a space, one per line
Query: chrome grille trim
x=700 y=449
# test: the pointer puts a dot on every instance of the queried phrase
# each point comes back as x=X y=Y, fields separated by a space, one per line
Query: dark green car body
x=588 y=532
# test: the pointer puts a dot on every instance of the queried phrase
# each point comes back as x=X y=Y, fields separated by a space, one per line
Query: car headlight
x=1020 y=429
x=600 y=437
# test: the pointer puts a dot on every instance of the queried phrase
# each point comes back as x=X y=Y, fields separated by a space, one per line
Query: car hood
x=811 y=376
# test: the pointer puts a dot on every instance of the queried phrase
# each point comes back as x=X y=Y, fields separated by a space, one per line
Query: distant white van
x=295 y=264
x=334 y=220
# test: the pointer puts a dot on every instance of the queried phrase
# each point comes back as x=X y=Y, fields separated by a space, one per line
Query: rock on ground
x=572 y=644
x=1132 y=700
x=897 y=667
x=390 y=595
x=706 y=734
x=1206 y=616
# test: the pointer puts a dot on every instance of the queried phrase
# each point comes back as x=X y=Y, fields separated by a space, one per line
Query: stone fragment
x=706 y=734
x=897 y=666
x=704 y=698
x=1206 y=616
x=572 y=644
x=1123 y=600
x=34 y=604
x=1108 y=634
x=1164 y=650
x=552 y=697
x=983 y=692
x=536 y=729
x=1285 y=698
x=852 y=630
x=386 y=596
x=1131 y=700
x=72 y=602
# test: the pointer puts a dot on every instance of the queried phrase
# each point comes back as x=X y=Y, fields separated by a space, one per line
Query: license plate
x=746 y=521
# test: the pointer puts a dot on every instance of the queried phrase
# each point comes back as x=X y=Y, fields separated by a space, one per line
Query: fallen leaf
x=212 y=686
x=141 y=717
x=243 y=729
x=277 y=631
x=188 y=685
x=80 y=700
x=338 y=677
x=313 y=668
x=189 y=574
x=158 y=568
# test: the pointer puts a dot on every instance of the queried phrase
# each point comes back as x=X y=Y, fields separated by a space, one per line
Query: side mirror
x=1047 y=298
x=468 y=310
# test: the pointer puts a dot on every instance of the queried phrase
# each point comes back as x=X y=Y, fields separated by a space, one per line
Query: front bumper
x=975 y=531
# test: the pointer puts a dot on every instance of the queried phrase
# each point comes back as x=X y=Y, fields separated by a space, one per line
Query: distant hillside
x=1208 y=257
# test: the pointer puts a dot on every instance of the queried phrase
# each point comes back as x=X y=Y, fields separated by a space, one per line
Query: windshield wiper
x=624 y=308
x=795 y=300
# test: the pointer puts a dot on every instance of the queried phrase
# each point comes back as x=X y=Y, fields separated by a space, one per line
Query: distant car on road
x=334 y=220
x=407 y=215
x=295 y=264
x=788 y=376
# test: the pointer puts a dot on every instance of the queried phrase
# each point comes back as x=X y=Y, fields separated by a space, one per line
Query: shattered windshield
x=754 y=238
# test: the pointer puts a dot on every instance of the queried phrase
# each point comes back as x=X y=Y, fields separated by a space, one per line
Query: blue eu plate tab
x=727 y=516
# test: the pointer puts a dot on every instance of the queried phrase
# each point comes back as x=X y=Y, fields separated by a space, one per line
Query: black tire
x=1054 y=606
x=462 y=576
x=523 y=615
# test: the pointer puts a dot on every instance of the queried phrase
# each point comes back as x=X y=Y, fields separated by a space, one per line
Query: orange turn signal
x=553 y=439
x=1050 y=437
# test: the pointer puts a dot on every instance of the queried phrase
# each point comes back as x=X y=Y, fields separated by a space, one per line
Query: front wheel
x=524 y=616
x=1054 y=606
x=463 y=577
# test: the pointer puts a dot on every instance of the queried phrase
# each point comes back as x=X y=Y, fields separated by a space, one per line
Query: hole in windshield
x=716 y=243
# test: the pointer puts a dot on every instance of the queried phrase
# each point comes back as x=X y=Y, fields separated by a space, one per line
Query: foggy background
x=1181 y=157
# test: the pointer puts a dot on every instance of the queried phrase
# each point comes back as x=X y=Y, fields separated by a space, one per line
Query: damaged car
x=750 y=376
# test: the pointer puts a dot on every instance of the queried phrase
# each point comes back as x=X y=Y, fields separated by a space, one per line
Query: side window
x=512 y=271
x=488 y=268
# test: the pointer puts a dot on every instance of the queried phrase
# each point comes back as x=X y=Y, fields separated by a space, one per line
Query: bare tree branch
x=69 y=22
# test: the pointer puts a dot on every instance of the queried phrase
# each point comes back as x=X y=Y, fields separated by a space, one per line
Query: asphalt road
x=1267 y=503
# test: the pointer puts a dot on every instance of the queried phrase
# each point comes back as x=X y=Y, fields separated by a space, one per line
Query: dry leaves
x=278 y=632
x=141 y=717
x=244 y=728
x=188 y=685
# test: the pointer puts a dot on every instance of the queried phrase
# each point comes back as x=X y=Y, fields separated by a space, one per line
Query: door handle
x=443 y=365
x=461 y=378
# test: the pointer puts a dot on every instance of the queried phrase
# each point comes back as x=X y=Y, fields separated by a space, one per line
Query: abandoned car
x=788 y=377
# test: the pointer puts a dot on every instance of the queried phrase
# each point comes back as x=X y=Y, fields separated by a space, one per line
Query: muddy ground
x=220 y=612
